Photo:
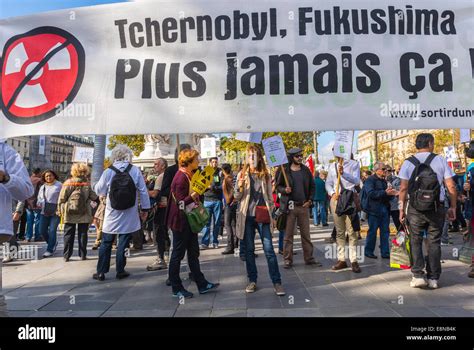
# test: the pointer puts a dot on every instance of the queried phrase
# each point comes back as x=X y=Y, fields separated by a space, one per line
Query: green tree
x=107 y=163
x=135 y=142
x=304 y=140
x=384 y=152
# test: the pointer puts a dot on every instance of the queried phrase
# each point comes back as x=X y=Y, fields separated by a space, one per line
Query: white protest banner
x=201 y=66
x=275 y=151
x=255 y=137
x=343 y=144
x=83 y=154
x=465 y=135
x=208 y=147
x=450 y=154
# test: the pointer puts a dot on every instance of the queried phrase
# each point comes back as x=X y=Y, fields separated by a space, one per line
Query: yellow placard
x=202 y=179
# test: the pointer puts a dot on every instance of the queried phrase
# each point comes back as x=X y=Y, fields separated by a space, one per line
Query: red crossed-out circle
x=41 y=69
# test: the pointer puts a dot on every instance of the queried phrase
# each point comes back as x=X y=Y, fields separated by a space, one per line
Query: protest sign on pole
x=275 y=151
x=83 y=154
x=343 y=144
x=450 y=154
x=208 y=147
x=465 y=135
x=201 y=180
x=254 y=137
x=276 y=154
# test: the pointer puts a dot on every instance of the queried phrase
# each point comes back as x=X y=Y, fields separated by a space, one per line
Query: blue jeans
x=281 y=238
x=105 y=252
x=319 y=212
x=381 y=221
x=214 y=208
x=265 y=235
x=33 y=217
x=48 y=229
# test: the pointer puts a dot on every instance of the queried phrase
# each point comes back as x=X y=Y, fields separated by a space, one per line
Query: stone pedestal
x=164 y=146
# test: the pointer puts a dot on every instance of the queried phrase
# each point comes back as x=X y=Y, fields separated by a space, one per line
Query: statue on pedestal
x=164 y=145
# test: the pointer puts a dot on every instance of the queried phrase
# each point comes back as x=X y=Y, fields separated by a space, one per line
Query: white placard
x=83 y=154
x=364 y=158
x=465 y=135
x=450 y=154
x=214 y=66
x=343 y=144
x=275 y=151
x=208 y=147
x=255 y=137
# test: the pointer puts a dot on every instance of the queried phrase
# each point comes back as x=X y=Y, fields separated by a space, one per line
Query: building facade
x=62 y=149
x=393 y=146
x=22 y=146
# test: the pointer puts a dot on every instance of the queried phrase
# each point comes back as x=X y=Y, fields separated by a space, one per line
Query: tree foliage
x=135 y=142
x=303 y=140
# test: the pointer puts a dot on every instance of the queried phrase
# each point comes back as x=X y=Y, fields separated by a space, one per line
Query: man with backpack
x=421 y=204
x=120 y=183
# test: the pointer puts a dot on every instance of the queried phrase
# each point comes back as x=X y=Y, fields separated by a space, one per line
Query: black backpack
x=345 y=203
x=423 y=187
x=123 y=192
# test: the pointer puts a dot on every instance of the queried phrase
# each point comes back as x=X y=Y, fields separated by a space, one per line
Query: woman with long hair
x=48 y=197
x=254 y=192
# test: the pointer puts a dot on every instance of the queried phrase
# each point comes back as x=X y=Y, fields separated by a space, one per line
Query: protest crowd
x=423 y=198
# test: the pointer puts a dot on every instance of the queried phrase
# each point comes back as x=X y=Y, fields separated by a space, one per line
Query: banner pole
x=178 y=146
x=339 y=162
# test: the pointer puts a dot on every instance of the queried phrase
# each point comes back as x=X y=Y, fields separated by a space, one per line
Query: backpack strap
x=414 y=160
x=114 y=169
x=430 y=158
x=127 y=169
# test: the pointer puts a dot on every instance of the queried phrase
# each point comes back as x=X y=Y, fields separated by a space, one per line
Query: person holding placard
x=213 y=205
x=296 y=198
x=343 y=175
x=185 y=241
x=254 y=192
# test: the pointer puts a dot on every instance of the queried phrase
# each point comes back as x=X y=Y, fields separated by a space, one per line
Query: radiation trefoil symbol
x=40 y=70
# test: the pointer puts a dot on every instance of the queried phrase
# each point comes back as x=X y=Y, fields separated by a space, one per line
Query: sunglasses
x=298 y=156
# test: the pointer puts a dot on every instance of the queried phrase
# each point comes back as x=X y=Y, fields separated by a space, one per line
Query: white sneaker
x=7 y=259
x=47 y=254
x=433 y=284
x=418 y=282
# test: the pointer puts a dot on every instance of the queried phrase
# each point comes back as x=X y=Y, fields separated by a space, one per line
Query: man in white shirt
x=349 y=171
x=14 y=184
x=426 y=221
x=120 y=222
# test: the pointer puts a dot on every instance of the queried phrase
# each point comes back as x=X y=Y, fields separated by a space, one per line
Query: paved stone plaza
x=51 y=287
